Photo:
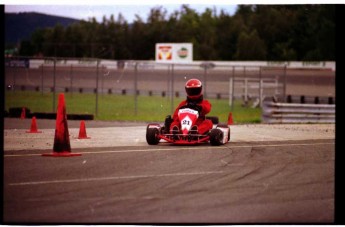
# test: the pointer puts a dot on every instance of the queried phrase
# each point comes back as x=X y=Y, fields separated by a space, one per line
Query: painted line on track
x=115 y=178
x=189 y=148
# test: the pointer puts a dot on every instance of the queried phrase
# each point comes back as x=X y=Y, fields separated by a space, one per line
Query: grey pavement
x=133 y=133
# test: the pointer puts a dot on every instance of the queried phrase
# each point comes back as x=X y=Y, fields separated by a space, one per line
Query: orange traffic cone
x=82 y=131
x=230 y=121
x=33 y=128
x=23 y=115
x=62 y=147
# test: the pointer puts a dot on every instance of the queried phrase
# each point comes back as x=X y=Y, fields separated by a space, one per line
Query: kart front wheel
x=216 y=137
x=224 y=126
x=152 y=136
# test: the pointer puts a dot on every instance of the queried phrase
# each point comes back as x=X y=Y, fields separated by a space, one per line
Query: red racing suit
x=204 y=125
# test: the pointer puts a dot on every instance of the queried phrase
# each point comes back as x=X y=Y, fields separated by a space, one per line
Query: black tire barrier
x=330 y=100
x=289 y=99
x=52 y=116
x=80 y=117
x=302 y=99
x=17 y=112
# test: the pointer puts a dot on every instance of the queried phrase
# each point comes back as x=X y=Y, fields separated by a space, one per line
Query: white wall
x=112 y=64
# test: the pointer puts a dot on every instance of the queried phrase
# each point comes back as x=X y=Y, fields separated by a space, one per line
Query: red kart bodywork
x=218 y=135
x=184 y=140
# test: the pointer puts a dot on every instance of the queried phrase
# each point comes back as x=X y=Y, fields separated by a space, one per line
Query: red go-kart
x=218 y=135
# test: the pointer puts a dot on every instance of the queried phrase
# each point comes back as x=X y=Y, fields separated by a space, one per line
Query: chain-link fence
x=147 y=78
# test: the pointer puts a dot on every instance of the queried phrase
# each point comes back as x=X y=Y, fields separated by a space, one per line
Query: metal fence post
x=102 y=81
x=71 y=79
x=172 y=89
x=245 y=90
x=42 y=78
x=168 y=84
x=136 y=89
x=284 y=85
x=97 y=72
x=205 y=81
x=245 y=77
x=276 y=90
x=232 y=88
x=54 y=85
x=14 y=78
x=260 y=87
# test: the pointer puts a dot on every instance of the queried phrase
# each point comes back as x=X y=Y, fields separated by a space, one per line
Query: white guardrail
x=274 y=112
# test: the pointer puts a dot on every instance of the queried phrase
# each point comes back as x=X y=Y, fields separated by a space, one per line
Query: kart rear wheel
x=152 y=136
x=216 y=137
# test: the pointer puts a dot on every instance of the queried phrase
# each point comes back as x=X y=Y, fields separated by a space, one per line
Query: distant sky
x=128 y=9
x=85 y=9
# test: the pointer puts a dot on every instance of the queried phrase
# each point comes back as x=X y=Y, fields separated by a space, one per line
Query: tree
x=207 y=36
x=137 y=40
x=26 y=49
x=274 y=24
x=37 y=40
x=254 y=32
x=187 y=28
x=322 y=27
x=250 y=47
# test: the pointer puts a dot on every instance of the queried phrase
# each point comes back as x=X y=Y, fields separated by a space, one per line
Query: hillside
x=19 y=26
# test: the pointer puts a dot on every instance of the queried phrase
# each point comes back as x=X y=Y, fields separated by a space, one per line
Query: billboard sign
x=174 y=52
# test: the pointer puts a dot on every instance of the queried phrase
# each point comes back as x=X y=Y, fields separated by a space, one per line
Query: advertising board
x=174 y=52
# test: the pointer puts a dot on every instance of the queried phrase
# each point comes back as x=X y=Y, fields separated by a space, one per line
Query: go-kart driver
x=194 y=101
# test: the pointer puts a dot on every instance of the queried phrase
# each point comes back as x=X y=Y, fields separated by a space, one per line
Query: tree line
x=254 y=32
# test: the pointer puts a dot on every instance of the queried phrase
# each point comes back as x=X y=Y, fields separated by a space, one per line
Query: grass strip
x=123 y=108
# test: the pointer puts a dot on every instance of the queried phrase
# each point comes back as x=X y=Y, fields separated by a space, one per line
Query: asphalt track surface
x=245 y=181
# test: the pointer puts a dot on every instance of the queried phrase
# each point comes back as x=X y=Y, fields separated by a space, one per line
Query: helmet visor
x=193 y=91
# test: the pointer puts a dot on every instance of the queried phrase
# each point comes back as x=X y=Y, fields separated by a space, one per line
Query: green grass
x=122 y=107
